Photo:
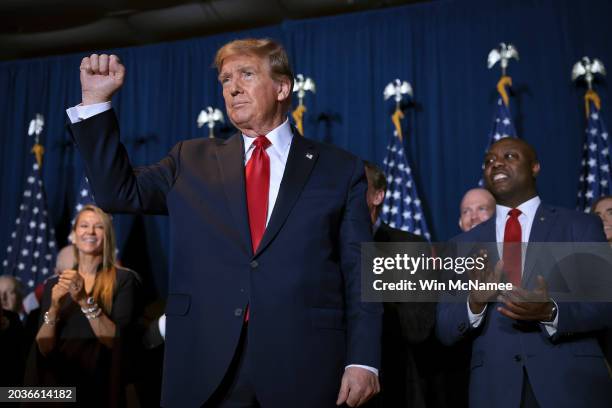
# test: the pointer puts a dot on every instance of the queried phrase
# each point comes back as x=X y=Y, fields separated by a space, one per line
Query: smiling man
x=527 y=350
x=264 y=304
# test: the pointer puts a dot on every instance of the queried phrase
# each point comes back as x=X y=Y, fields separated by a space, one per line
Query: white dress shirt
x=528 y=211
x=280 y=139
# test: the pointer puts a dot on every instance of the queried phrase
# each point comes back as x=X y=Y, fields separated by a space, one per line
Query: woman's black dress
x=79 y=359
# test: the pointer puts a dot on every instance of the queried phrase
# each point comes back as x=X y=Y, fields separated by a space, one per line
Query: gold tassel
x=38 y=151
x=396 y=119
x=504 y=81
x=298 y=114
x=591 y=96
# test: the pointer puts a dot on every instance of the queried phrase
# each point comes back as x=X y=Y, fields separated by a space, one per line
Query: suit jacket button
x=254 y=264
x=238 y=312
x=462 y=327
x=517 y=358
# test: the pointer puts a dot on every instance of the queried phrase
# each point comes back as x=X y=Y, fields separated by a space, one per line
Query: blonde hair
x=107 y=274
x=263 y=48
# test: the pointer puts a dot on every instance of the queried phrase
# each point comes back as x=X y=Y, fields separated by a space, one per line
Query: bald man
x=65 y=259
x=603 y=209
x=477 y=205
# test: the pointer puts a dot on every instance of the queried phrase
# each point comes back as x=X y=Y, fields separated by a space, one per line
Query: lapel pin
x=309 y=156
x=542 y=218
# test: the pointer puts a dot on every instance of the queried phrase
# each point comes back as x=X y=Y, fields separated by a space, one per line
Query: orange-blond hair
x=107 y=274
x=263 y=48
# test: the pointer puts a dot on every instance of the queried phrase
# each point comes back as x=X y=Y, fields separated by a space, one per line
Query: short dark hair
x=529 y=148
x=599 y=200
x=376 y=176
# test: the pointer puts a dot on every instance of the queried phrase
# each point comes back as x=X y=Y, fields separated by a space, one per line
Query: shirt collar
x=528 y=208
x=280 y=138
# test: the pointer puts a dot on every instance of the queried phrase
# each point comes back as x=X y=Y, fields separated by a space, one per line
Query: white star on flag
x=398 y=207
x=25 y=262
x=501 y=128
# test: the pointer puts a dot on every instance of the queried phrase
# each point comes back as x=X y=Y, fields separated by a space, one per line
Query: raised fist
x=101 y=76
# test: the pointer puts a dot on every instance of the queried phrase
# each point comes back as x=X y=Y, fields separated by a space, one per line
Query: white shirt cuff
x=372 y=369
x=161 y=324
x=475 y=319
x=551 y=327
x=82 y=112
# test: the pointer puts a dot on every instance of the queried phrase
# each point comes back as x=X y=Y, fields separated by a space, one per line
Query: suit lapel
x=300 y=162
x=230 y=158
x=540 y=229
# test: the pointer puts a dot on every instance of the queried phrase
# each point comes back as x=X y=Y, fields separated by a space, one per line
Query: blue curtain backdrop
x=440 y=47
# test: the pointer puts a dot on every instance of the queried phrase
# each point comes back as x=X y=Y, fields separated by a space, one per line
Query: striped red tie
x=512 y=247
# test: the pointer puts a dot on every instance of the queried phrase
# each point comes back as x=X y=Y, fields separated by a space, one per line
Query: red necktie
x=257 y=188
x=512 y=247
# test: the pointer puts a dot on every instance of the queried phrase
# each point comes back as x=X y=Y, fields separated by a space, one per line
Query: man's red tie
x=257 y=188
x=512 y=247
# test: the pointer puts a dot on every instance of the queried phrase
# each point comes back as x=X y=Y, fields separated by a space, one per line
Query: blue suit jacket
x=567 y=370
x=302 y=285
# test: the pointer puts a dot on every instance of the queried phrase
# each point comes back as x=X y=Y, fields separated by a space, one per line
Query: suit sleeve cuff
x=371 y=369
x=82 y=112
x=551 y=327
x=161 y=324
x=475 y=319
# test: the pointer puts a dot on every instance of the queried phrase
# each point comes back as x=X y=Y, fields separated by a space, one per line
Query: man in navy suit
x=264 y=302
x=527 y=350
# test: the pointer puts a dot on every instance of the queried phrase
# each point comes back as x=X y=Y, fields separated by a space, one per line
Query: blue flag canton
x=31 y=252
x=595 y=178
x=402 y=207
x=502 y=128
x=502 y=123
x=84 y=196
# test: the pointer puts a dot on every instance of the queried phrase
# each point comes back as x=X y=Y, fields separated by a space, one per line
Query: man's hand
x=358 y=385
x=479 y=298
x=101 y=77
x=521 y=304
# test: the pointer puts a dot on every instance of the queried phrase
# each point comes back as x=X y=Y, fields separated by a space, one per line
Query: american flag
x=402 y=207
x=31 y=252
x=84 y=196
x=595 y=178
x=502 y=127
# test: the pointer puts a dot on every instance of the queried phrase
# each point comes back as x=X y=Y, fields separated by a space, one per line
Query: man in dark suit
x=602 y=207
x=408 y=361
x=264 y=289
x=527 y=350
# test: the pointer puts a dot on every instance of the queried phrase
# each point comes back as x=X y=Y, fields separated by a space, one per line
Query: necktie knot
x=514 y=213
x=262 y=142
